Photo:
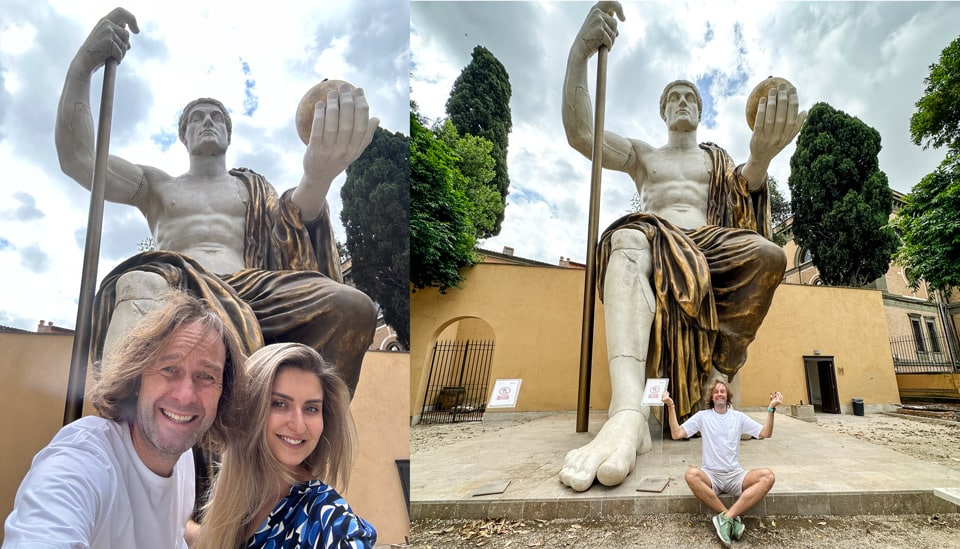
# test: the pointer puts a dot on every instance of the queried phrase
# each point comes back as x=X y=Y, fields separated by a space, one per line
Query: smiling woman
x=272 y=486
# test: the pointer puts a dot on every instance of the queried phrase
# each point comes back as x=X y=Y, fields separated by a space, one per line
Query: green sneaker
x=723 y=526
x=737 y=528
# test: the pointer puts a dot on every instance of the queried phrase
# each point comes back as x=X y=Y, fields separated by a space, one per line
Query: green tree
x=840 y=199
x=779 y=210
x=479 y=105
x=475 y=169
x=376 y=210
x=929 y=225
x=937 y=120
x=442 y=237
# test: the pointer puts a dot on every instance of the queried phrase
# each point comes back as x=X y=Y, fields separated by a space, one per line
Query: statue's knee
x=773 y=257
x=629 y=240
x=355 y=306
x=140 y=285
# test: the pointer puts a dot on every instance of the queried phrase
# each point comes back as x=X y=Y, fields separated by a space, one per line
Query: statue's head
x=185 y=116
x=666 y=93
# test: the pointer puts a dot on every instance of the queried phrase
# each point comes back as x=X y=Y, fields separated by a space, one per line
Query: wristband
x=771 y=409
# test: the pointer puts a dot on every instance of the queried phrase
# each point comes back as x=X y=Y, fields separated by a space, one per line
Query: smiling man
x=720 y=471
x=126 y=478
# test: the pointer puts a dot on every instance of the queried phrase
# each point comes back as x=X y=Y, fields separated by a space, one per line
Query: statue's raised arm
x=598 y=29
x=74 y=127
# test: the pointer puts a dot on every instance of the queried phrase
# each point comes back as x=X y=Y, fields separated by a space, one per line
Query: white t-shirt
x=89 y=488
x=721 y=436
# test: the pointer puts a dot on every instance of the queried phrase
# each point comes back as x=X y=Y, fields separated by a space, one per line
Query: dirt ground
x=937 y=442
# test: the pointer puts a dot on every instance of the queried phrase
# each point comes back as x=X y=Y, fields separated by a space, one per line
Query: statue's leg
x=629 y=309
x=137 y=294
x=337 y=320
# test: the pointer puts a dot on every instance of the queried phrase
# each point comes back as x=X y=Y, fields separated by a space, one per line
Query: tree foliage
x=479 y=105
x=475 y=169
x=779 y=210
x=937 y=120
x=442 y=236
x=840 y=199
x=376 y=209
x=929 y=224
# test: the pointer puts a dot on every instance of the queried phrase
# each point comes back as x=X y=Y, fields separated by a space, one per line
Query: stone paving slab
x=819 y=472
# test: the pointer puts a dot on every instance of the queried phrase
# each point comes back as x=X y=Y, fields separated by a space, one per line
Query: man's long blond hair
x=713 y=389
x=249 y=472
x=118 y=376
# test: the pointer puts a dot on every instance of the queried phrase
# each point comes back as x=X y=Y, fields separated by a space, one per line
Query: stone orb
x=305 y=110
x=762 y=90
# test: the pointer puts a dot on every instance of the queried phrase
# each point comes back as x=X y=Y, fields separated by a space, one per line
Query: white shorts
x=726 y=482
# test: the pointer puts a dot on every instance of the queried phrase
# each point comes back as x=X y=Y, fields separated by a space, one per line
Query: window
x=918 y=334
x=932 y=332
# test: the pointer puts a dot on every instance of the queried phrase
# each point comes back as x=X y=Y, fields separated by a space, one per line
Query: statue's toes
x=616 y=468
x=576 y=479
x=579 y=469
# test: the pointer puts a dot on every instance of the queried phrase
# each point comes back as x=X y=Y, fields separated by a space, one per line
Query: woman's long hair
x=249 y=471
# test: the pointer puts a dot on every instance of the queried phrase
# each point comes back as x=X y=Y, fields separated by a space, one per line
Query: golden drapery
x=701 y=272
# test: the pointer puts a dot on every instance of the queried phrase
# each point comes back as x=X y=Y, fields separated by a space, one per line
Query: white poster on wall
x=505 y=393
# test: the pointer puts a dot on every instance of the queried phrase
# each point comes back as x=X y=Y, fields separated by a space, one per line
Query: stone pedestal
x=803 y=412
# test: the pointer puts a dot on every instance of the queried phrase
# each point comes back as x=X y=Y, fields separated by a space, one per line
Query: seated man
x=126 y=478
x=266 y=264
x=720 y=470
x=686 y=282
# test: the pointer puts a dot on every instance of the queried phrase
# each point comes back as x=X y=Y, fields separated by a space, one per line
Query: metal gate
x=457 y=385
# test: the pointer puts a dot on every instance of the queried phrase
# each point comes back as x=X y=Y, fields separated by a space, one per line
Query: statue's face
x=206 y=131
x=680 y=111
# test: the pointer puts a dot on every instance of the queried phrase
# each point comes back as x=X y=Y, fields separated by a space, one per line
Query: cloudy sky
x=866 y=59
x=257 y=57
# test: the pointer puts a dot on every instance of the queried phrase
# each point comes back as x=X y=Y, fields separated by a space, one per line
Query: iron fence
x=457 y=383
x=922 y=356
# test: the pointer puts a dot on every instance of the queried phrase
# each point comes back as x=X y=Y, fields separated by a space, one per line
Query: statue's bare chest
x=186 y=198
x=687 y=166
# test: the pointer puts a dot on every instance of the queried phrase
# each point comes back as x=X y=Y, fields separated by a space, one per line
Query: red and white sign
x=505 y=392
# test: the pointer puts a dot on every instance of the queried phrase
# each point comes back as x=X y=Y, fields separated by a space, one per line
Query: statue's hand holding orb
x=772 y=114
x=333 y=120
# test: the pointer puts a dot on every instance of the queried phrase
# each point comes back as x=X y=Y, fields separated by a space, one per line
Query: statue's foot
x=611 y=455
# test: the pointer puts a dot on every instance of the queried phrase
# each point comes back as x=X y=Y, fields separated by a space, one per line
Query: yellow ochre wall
x=534 y=315
x=846 y=324
x=34 y=369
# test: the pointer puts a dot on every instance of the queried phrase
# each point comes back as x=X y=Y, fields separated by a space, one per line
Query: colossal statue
x=686 y=282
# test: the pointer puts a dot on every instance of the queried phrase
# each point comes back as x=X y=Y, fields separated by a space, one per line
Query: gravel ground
x=934 y=441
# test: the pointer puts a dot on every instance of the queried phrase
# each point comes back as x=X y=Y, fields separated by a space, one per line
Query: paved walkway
x=819 y=472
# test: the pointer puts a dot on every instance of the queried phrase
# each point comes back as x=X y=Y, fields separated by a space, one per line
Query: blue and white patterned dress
x=313 y=515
